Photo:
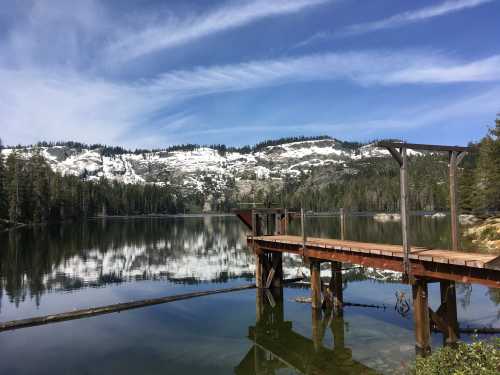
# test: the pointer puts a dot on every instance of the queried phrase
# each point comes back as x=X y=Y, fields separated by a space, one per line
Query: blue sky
x=147 y=73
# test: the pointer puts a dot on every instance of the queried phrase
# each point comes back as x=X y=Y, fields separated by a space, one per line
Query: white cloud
x=471 y=106
x=174 y=31
x=401 y=19
x=37 y=104
x=364 y=68
x=398 y=20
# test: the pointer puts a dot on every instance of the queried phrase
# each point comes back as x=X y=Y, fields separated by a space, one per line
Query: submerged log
x=308 y=300
x=93 y=311
x=475 y=330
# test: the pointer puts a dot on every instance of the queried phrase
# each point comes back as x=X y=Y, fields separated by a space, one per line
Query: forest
x=31 y=192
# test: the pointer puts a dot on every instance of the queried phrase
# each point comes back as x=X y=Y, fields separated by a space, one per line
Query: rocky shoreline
x=485 y=233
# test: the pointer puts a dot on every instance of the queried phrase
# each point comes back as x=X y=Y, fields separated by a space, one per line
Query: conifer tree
x=3 y=192
x=488 y=170
x=13 y=186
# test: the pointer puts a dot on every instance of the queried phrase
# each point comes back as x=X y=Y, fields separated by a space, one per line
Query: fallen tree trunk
x=308 y=300
x=475 y=330
x=93 y=311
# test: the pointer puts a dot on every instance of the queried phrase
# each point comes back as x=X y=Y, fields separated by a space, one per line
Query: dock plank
x=469 y=259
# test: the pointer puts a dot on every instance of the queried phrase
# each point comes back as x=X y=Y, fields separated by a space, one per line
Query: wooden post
x=275 y=275
x=303 y=229
x=277 y=224
x=449 y=300
x=259 y=305
x=315 y=284
x=405 y=214
x=259 y=265
x=402 y=159
x=338 y=333
x=285 y=222
x=336 y=286
x=421 y=316
x=455 y=235
x=316 y=320
x=342 y=224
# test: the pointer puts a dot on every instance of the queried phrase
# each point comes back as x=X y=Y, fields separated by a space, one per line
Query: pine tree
x=488 y=170
x=13 y=186
x=3 y=191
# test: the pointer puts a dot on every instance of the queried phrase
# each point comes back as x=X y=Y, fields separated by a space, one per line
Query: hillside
x=209 y=171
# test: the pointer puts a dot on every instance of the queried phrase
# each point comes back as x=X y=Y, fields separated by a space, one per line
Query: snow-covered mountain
x=205 y=169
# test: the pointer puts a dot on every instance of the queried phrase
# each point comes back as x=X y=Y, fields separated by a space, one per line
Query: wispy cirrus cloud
x=398 y=20
x=412 y=16
x=395 y=122
x=175 y=31
x=38 y=105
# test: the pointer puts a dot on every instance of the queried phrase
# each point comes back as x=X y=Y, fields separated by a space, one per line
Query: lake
x=57 y=268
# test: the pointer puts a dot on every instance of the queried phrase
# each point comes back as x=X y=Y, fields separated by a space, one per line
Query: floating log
x=93 y=311
x=475 y=330
x=481 y=330
x=308 y=300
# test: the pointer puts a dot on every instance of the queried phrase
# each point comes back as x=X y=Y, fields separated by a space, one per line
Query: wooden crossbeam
x=422 y=147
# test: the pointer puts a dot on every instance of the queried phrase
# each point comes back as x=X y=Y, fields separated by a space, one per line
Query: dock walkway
x=433 y=263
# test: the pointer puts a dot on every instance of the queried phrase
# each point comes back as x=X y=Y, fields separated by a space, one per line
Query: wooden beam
x=421 y=317
x=444 y=271
x=422 y=147
x=460 y=157
x=396 y=155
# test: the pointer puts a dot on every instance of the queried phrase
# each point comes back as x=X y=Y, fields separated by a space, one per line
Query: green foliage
x=487 y=177
x=477 y=358
x=370 y=186
x=36 y=194
x=3 y=191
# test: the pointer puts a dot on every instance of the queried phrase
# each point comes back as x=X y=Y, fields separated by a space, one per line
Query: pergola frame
x=398 y=150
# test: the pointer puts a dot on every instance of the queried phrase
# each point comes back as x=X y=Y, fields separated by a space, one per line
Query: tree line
x=373 y=185
x=31 y=192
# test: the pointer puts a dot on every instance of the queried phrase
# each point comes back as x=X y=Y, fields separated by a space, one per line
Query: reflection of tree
x=464 y=292
x=31 y=260
x=494 y=294
x=425 y=231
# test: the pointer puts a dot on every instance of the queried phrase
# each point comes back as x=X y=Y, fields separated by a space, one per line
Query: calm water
x=64 y=267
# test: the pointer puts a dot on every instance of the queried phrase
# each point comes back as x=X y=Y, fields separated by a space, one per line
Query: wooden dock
x=419 y=267
x=465 y=267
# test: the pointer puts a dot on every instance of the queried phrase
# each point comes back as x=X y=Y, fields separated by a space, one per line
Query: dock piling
x=315 y=284
x=421 y=317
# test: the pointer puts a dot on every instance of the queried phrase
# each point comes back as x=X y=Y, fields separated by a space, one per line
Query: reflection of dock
x=276 y=346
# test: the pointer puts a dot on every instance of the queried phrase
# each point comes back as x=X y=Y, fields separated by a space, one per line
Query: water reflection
x=68 y=257
x=276 y=346
x=61 y=258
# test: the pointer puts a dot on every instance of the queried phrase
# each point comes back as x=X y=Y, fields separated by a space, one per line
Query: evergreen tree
x=3 y=191
x=487 y=176
x=13 y=186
